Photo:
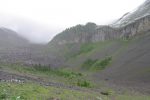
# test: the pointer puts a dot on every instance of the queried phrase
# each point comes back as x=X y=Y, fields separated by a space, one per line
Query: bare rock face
x=136 y=27
x=105 y=33
x=139 y=26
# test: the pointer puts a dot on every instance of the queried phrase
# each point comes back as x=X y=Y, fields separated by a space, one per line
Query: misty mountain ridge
x=34 y=32
x=10 y=38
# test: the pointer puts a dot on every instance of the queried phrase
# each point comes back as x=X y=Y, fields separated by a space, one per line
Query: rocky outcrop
x=136 y=27
x=139 y=26
x=105 y=33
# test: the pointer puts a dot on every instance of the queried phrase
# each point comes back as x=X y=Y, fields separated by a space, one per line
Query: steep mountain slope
x=126 y=42
x=130 y=64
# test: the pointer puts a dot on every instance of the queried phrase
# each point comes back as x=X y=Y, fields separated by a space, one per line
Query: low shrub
x=101 y=64
x=83 y=83
x=107 y=93
x=3 y=94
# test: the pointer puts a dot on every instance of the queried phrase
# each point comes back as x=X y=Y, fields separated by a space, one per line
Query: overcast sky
x=42 y=19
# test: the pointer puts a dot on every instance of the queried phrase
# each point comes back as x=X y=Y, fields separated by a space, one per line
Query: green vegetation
x=107 y=93
x=84 y=83
x=62 y=75
x=33 y=91
x=71 y=77
x=57 y=72
x=101 y=64
x=97 y=64
x=39 y=69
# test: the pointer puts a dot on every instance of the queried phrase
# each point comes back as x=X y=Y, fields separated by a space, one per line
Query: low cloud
x=32 y=31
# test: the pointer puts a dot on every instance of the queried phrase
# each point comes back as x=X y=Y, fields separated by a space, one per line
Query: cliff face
x=135 y=27
x=105 y=33
x=139 y=26
x=129 y=25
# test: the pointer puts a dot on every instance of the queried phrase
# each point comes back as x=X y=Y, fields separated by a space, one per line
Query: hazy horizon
x=39 y=21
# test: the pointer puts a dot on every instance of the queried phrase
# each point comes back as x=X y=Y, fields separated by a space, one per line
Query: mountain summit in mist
x=10 y=38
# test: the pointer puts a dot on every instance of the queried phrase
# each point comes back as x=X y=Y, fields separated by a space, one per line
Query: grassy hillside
x=28 y=83
x=32 y=91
